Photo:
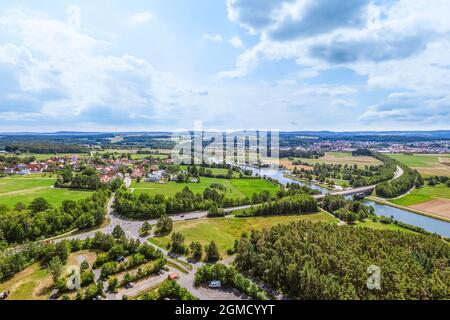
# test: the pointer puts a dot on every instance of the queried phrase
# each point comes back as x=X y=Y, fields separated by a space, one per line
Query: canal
x=427 y=223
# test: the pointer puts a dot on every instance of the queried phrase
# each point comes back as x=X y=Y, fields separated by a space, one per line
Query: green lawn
x=136 y=156
x=236 y=188
x=380 y=226
x=418 y=160
x=225 y=230
x=424 y=194
x=217 y=171
x=25 y=189
x=341 y=158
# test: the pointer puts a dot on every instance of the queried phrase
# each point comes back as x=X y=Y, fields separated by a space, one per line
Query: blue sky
x=233 y=64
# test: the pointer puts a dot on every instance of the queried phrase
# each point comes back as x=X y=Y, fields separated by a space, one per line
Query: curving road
x=398 y=173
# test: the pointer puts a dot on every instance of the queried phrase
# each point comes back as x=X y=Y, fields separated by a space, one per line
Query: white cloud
x=139 y=18
x=213 y=37
x=236 y=42
x=66 y=75
x=400 y=46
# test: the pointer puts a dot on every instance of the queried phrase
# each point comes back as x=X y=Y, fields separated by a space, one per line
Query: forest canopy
x=307 y=260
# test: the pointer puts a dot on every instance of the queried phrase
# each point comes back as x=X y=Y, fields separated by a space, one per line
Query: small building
x=137 y=173
x=9 y=170
x=155 y=176
x=105 y=178
x=24 y=172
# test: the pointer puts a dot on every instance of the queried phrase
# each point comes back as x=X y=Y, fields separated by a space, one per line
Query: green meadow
x=217 y=171
x=14 y=189
x=235 y=188
x=46 y=156
x=341 y=158
x=225 y=230
x=418 y=160
x=424 y=194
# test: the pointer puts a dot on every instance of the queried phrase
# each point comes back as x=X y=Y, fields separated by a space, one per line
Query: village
x=107 y=169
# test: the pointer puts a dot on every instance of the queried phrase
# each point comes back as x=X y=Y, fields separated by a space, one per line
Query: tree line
x=41 y=220
x=44 y=147
x=346 y=210
x=144 y=206
x=298 y=204
x=401 y=185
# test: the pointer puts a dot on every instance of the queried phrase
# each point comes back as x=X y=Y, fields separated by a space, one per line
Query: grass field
x=25 y=189
x=217 y=171
x=380 y=226
x=342 y=158
x=46 y=156
x=236 y=188
x=29 y=284
x=134 y=154
x=426 y=164
x=225 y=230
x=424 y=194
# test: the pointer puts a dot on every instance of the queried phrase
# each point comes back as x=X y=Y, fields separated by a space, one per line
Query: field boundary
x=422 y=213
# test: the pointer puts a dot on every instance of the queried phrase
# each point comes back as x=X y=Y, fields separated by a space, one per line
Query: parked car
x=129 y=285
x=215 y=284
x=4 y=295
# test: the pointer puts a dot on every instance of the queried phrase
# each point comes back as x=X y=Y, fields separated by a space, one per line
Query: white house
x=155 y=176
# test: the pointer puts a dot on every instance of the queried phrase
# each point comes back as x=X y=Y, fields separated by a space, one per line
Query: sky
x=150 y=65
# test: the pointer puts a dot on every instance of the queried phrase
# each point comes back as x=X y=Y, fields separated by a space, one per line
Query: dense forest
x=40 y=220
x=44 y=147
x=298 y=204
x=346 y=210
x=307 y=260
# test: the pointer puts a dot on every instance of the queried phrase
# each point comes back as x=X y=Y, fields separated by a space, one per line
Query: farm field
x=426 y=164
x=236 y=188
x=225 y=230
x=135 y=155
x=341 y=158
x=35 y=282
x=46 y=156
x=424 y=194
x=25 y=189
x=434 y=200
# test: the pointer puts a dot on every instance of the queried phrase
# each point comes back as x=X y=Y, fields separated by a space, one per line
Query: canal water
x=427 y=223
